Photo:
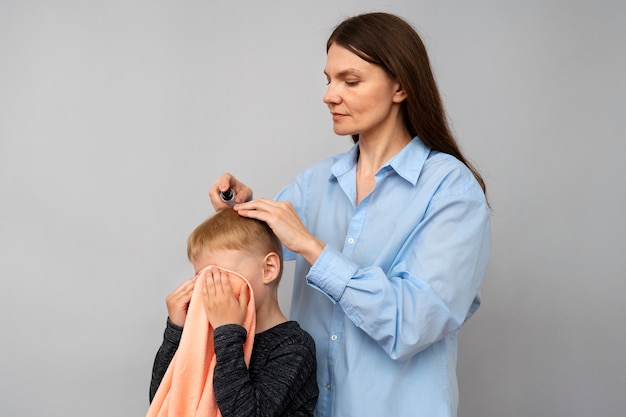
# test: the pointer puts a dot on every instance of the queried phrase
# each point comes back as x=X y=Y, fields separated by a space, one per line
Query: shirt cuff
x=173 y=332
x=331 y=273
x=228 y=335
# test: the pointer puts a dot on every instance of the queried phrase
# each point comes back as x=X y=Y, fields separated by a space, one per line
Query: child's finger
x=225 y=283
x=244 y=295
x=210 y=282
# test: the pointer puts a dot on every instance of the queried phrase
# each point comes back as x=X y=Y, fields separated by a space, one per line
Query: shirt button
x=328 y=386
x=333 y=337
x=351 y=240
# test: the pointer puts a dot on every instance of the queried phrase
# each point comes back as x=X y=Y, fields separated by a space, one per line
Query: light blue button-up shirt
x=399 y=275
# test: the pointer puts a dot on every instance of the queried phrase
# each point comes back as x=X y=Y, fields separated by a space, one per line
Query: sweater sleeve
x=268 y=389
x=171 y=340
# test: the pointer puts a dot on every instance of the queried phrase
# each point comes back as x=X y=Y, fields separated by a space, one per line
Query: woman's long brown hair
x=390 y=42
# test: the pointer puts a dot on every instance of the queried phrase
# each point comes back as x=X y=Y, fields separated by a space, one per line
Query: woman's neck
x=374 y=152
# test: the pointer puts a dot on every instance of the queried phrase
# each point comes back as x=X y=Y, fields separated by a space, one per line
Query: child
x=281 y=377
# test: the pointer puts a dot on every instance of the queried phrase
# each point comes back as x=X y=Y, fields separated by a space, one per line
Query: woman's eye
x=351 y=83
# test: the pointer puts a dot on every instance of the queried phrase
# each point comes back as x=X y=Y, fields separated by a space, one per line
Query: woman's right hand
x=243 y=193
x=286 y=225
x=178 y=302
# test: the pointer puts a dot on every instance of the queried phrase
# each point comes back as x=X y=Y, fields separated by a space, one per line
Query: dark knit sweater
x=280 y=381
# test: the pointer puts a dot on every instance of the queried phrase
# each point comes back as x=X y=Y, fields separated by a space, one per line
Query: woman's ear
x=399 y=95
x=271 y=268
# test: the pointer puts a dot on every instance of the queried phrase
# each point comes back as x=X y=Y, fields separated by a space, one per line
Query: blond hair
x=226 y=229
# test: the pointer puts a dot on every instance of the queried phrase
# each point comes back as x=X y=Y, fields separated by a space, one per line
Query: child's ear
x=271 y=268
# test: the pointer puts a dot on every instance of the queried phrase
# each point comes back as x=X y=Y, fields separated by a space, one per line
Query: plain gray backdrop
x=117 y=116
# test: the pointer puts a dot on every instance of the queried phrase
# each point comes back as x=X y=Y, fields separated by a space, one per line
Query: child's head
x=241 y=244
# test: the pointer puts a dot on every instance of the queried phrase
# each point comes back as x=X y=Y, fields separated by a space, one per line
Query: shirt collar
x=407 y=163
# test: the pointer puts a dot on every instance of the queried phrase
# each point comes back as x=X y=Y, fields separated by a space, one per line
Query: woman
x=391 y=239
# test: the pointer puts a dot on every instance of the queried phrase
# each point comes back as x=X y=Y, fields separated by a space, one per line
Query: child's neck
x=268 y=316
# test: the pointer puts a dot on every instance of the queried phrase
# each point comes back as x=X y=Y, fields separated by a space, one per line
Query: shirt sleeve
x=276 y=381
x=171 y=340
x=431 y=287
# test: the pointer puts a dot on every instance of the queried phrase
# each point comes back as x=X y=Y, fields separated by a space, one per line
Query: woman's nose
x=331 y=96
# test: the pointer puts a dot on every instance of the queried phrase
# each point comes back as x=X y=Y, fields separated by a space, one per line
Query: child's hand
x=178 y=302
x=221 y=304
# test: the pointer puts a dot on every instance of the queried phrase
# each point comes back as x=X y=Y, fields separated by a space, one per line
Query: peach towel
x=187 y=386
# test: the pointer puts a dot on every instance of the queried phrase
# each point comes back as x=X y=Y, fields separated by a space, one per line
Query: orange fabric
x=187 y=386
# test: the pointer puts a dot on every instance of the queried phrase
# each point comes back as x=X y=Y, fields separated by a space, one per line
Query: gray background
x=116 y=117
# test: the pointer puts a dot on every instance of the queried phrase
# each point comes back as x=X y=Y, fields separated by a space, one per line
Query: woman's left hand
x=287 y=226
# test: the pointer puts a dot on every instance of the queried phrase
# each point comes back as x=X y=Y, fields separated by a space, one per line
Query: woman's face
x=361 y=97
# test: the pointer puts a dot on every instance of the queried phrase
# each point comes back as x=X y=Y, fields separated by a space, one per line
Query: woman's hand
x=221 y=304
x=287 y=226
x=243 y=193
x=178 y=302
